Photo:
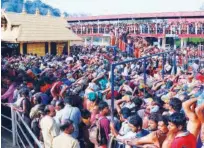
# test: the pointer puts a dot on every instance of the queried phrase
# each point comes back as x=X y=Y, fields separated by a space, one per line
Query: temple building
x=37 y=34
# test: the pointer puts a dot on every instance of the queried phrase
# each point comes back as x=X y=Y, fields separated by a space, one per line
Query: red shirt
x=105 y=125
x=184 y=140
x=200 y=77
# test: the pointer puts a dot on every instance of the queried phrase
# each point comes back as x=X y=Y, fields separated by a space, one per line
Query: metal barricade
x=114 y=143
x=144 y=60
x=26 y=132
x=4 y=127
x=11 y=119
x=22 y=135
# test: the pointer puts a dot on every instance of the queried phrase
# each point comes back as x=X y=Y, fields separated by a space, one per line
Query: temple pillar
x=49 y=47
x=21 y=47
x=68 y=48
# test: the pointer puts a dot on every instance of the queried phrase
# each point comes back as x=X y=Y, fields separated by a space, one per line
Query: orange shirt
x=45 y=87
x=137 y=52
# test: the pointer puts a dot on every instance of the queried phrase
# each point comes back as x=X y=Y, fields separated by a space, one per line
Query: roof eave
x=42 y=41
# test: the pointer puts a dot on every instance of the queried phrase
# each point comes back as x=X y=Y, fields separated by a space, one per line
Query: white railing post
x=141 y=29
x=171 y=29
x=187 y=29
x=196 y=28
x=179 y=29
x=156 y=28
x=98 y=26
x=148 y=31
x=164 y=30
x=13 y=120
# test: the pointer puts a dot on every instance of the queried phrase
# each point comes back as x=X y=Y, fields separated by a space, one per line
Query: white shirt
x=57 y=117
x=65 y=141
x=49 y=130
x=124 y=128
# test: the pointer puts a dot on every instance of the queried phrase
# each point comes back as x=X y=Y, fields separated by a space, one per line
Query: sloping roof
x=187 y=14
x=36 y=28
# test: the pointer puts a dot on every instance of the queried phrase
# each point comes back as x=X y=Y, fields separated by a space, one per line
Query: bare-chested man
x=194 y=124
x=200 y=115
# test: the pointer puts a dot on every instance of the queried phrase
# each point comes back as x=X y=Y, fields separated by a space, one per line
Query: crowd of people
x=174 y=27
x=66 y=100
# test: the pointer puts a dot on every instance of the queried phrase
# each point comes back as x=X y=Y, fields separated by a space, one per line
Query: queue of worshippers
x=66 y=100
x=171 y=26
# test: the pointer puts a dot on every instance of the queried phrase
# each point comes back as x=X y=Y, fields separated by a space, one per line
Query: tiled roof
x=36 y=28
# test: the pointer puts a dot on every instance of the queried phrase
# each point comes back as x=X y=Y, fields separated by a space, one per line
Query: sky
x=107 y=7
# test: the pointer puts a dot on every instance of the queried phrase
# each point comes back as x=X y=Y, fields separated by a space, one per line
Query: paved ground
x=6 y=139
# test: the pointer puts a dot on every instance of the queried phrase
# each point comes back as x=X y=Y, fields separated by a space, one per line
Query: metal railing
x=26 y=130
x=9 y=117
x=172 y=52
x=114 y=143
x=144 y=60
x=4 y=127
x=22 y=135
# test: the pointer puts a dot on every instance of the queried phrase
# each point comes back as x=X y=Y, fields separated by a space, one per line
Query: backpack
x=95 y=132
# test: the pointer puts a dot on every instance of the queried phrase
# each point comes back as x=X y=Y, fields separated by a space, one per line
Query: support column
x=185 y=43
x=21 y=48
x=164 y=30
x=86 y=29
x=179 y=29
x=171 y=28
x=98 y=27
x=196 y=28
x=141 y=29
x=174 y=44
x=85 y=41
x=187 y=29
x=148 y=31
x=68 y=48
x=49 y=47
x=182 y=41
x=102 y=42
x=159 y=42
x=156 y=28
x=163 y=42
